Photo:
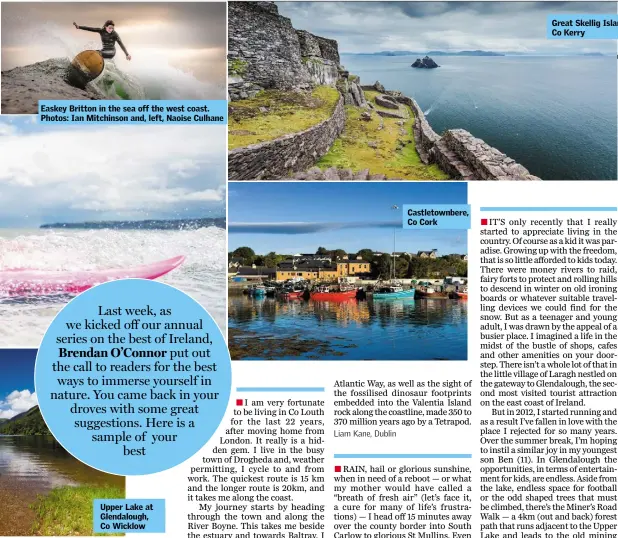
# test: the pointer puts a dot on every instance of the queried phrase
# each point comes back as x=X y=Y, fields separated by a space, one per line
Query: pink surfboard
x=37 y=282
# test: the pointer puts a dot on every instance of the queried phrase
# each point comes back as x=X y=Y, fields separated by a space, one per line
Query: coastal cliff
x=378 y=135
x=265 y=52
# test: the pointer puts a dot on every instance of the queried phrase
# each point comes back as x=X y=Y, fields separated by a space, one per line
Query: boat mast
x=394 y=249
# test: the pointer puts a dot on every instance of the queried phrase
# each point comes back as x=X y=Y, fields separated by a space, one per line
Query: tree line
x=406 y=266
x=28 y=423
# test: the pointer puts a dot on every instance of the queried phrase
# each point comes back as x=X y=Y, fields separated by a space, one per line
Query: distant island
x=425 y=63
x=176 y=224
x=28 y=423
x=430 y=53
x=466 y=53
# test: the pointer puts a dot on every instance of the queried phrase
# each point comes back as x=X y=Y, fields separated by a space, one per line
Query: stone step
x=386 y=114
x=386 y=102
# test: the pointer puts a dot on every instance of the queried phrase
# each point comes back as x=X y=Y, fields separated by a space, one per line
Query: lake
x=554 y=115
x=399 y=329
x=33 y=465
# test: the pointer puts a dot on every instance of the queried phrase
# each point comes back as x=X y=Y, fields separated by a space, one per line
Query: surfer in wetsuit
x=109 y=38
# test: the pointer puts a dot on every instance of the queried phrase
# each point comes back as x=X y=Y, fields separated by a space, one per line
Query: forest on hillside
x=29 y=423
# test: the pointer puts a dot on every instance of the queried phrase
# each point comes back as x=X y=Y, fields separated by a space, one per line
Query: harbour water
x=397 y=329
x=554 y=115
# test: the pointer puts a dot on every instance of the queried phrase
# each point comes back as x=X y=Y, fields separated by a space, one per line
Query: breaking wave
x=23 y=321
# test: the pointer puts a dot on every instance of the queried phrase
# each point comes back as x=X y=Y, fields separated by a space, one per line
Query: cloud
x=297 y=228
x=36 y=31
x=118 y=172
x=7 y=129
x=454 y=26
x=17 y=402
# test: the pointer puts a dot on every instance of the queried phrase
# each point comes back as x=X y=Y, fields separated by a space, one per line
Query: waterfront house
x=310 y=269
x=454 y=280
x=256 y=272
x=428 y=253
x=233 y=264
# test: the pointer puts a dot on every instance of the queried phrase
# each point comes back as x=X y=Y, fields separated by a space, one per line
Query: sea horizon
x=556 y=115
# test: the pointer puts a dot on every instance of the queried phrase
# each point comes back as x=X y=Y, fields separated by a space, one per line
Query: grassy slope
x=68 y=511
x=287 y=112
x=390 y=158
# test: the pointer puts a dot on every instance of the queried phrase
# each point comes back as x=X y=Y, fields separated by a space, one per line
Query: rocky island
x=425 y=63
x=296 y=113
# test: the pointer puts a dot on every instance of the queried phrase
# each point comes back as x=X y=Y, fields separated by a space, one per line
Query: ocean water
x=148 y=78
x=396 y=329
x=149 y=75
x=554 y=115
x=23 y=321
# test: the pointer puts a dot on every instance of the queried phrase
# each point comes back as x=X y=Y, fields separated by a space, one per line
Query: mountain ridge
x=27 y=423
x=428 y=53
x=466 y=53
x=154 y=224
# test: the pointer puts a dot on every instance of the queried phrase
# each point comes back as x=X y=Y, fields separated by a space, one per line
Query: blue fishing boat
x=259 y=291
x=256 y=291
x=393 y=292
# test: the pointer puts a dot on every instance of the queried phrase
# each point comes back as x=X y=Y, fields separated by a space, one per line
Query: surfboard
x=85 y=67
x=16 y=282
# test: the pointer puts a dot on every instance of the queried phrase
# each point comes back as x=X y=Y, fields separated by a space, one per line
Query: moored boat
x=333 y=295
x=259 y=291
x=270 y=291
x=394 y=292
x=292 y=294
x=429 y=292
x=323 y=293
x=462 y=293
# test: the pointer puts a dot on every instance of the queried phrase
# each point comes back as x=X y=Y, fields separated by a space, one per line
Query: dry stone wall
x=459 y=153
x=263 y=50
x=291 y=153
x=266 y=52
x=476 y=160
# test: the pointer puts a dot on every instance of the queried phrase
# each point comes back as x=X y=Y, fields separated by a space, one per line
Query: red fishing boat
x=325 y=294
x=292 y=294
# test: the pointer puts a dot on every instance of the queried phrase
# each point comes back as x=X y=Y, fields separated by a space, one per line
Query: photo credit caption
x=132 y=112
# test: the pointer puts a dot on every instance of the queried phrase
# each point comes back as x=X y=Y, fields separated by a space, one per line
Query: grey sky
x=454 y=26
x=185 y=35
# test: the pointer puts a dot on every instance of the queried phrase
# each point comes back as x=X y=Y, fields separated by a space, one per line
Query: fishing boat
x=323 y=293
x=462 y=293
x=257 y=291
x=270 y=291
x=393 y=292
x=429 y=292
x=291 y=294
